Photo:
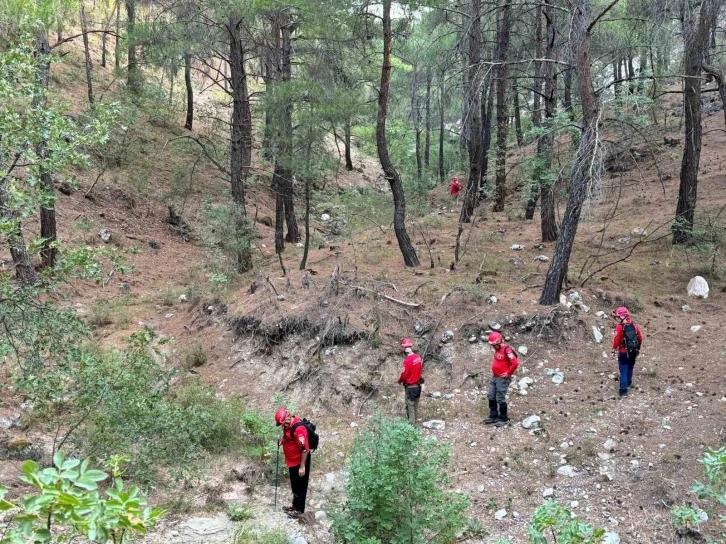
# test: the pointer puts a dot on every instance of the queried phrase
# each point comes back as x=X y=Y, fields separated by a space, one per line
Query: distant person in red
x=504 y=364
x=296 y=448
x=411 y=379
x=456 y=187
x=626 y=344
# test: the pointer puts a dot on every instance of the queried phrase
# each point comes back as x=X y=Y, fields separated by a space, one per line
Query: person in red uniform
x=626 y=344
x=411 y=379
x=504 y=364
x=296 y=448
x=456 y=187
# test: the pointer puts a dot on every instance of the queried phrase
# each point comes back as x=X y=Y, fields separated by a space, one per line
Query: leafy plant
x=239 y=513
x=195 y=355
x=551 y=520
x=397 y=489
x=712 y=489
x=67 y=502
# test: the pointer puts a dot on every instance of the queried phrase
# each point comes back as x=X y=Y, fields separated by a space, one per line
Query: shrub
x=551 y=519
x=239 y=513
x=396 y=489
x=195 y=355
x=248 y=535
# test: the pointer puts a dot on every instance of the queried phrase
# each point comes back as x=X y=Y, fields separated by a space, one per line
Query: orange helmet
x=281 y=416
x=495 y=338
x=406 y=343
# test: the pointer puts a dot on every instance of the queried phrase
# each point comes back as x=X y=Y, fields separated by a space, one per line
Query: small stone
x=696 y=328
x=600 y=314
x=480 y=489
x=169 y=316
x=436 y=424
x=325 y=217
x=517 y=247
x=125 y=288
x=605 y=473
x=564 y=446
x=300 y=244
x=686 y=308
x=448 y=336
x=522 y=350
x=298 y=540
x=597 y=335
x=353 y=424
x=624 y=240
x=611 y=538
x=516 y=262
x=604 y=456
x=330 y=477
x=448 y=396
x=473 y=339
x=549 y=492
x=567 y=470
x=697 y=287
x=542 y=258
x=321 y=516
x=436 y=395
x=105 y=235
x=610 y=444
x=183 y=297
x=635 y=463
x=491 y=299
x=574 y=504
x=703 y=516
x=532 y=422
x=525 y=382
x=639 y=231
x=495 y=326
x=499 y=515
x=280 y=297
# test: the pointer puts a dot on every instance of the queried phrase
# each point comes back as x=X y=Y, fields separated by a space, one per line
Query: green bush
x=249 y=535
x=397 y=489
x=555 y=521
x=239 y=513
x=195 y=355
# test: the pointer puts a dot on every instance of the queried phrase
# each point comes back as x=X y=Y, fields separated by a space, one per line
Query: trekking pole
x=277 y=469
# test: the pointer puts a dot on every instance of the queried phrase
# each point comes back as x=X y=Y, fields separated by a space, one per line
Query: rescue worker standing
x=411 y=379
x=504 y=364
x=296 y=448
x=626 y=345
x=455 y=188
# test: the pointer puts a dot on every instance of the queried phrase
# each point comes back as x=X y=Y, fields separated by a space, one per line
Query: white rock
x=597 y=335
x=280 y=297
x=567 y=470
x=549 y=492
x=105 y=235
x=448 y=396
x=517 y=247
x=183 y=298
x=321 y=516
x=600 y=314
x=491 y=299
x=606 y=473
x=448 y=336
x=624 y=240
x=696 y=328
x=686 y=308
x=499 y=515
x=480 y=489
x=325 y=217
x=610 y=444
x=435 y=424
x=495 y=326
x=523 y=350
x=639 y=231
x=353 y=424
x=703 y=516
x=604 y=456
x=297 y=540
x=542 y=258
x=697 y=287
x=635 y=463
x=330 y=477
x=299 y=244
x=532 y=422
x=574 y=297
x=472 y=339
x=436 y=395
x=525 y=382
x=557 y=376
x=574 y=504
x=611 y=538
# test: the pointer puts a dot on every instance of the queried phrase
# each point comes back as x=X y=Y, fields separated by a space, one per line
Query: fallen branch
x=391 y=299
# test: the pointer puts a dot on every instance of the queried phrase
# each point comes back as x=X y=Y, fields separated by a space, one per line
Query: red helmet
x=455 y=178
x=621 y=312
x=406 y=343
x=495 y=338
x=281 y=416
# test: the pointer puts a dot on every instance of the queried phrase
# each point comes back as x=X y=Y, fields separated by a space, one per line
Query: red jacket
x=293 y=446
x=619 y=340
x=504 y=362
x=456 y=187
x=411 y=370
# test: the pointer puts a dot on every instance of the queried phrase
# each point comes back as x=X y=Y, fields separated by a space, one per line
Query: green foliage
x=685 y=517
x=195 y=355
x=67 y=504
x=250 y=535
x=396 y=490
x=550 y=520
x=224 y=235
x=238 y=513
x=713 y=489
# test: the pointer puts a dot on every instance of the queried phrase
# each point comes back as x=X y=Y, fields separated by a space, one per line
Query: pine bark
x=548 y=222
x=86 y=52
x=537 y=83
x=117 y=44
x=427 y=113
x=581 y=172
x=487 y=111
x=188 y=123
x=285 y=180
x=394 y=180
x=517 y=115
x=241 y=139
x=133 y=77
x=24 y=270
x=473 y=108
x=442 y=111
x=502 y=116
x=346 y=144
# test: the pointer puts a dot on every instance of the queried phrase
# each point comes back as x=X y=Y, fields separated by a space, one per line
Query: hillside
x=326 y=338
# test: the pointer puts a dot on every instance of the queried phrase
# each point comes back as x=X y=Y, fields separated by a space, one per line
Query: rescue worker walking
x=411 y=379
x=455 y=188
x=295 y=445
x=626 y=344
x=504 y=364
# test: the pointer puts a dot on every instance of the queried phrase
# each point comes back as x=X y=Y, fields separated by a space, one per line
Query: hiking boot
x=493 y=413
x=623 y=393
x=294 y=514
x=288 y=508
x=502 y=423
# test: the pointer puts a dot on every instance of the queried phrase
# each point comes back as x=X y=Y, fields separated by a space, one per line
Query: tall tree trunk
x=416 y=118
x=631 y=75
x=720 y=78
x=473 y=100
x=117 y=43
x=48 y=233
x=241 y=142
x=190 y=92
x=617 y=76
x=286 y=152
x=567 y=96
x=487 y=115
x=172 y=72
x=133 y=79
x=696 y=34
x=502 y=117
x=427 y=106
x=517 y=115
x=545 y=183
x=24 y=270
x=346 y=144
x=86 y=51
x=394 y=180
x=442 y=111
x=581 y=171
x=537 y=83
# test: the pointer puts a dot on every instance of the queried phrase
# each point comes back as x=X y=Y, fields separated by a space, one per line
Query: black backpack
x=313 y=438
x=630 y=339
